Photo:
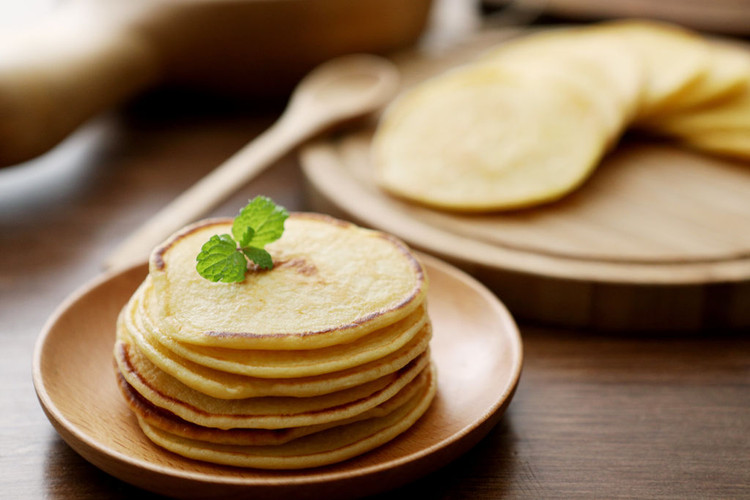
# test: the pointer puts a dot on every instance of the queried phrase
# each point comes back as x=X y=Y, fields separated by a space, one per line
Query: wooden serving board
x=658 y=238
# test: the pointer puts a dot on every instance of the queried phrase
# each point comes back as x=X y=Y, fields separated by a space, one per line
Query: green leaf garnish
x=246 y=238
x=223 y=258
x=220 y=261
x=261 y=257
x=264 y=217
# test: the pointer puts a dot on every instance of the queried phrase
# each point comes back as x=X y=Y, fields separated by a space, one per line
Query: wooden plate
x=476 y=347
x=658 y=238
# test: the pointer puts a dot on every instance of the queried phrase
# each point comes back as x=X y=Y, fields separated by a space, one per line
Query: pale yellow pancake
x=318 y=449
x=729 y=143
x=602 y=63
x=285 y=363
x=225 y=385
x=332 y=282
x=728 y=115
x=169 y=422
x=721 y=127
x=676 y=60
x=727 y=76
x=166 y=392
x=483 y=138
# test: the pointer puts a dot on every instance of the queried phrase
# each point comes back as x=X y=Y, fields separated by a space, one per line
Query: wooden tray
x=476 y=348
x=658 y=238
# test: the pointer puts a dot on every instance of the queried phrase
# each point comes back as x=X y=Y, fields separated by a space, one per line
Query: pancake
x=169 y=422
x=164 y=391
x=332 y=282
x=676 y=60
x=225 y=385
x=730 y=143
x=728 y=76
x=585 y=76
x=485 y=137
x=729 y=115
x=318 y=449
x=584 y=56
x=286 y=363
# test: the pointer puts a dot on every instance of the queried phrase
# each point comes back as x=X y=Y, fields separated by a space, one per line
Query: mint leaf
x=219 y=260
x=261 y=257
x=247 y=237
x=224 y=257
x=264 y=217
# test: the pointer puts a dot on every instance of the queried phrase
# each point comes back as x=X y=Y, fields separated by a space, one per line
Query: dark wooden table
x=596 y=415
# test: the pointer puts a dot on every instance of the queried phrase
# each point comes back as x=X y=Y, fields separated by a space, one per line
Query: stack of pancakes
x=320 y=359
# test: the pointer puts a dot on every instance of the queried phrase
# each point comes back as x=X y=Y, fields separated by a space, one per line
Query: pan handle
x=57 y=74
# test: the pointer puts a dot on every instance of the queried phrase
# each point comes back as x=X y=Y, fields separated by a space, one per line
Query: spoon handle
x=215 y=187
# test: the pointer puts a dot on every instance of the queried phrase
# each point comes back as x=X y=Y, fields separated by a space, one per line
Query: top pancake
x=332 y=283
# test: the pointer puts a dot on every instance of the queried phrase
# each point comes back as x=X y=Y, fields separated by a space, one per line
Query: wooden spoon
x=337 y=91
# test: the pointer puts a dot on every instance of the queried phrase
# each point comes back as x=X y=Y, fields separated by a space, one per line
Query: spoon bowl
x=348 y=86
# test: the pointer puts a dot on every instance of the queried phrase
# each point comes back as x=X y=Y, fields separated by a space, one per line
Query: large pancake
x=166 y=392
x=321 y=448
x=731 y=143
x=286 y=363
x=169 y=422
x=583 y=56
x=332 y=282
x=676 y=60
x=732 y=114
x=225 y=385
x=517 y=149
x=728 y=76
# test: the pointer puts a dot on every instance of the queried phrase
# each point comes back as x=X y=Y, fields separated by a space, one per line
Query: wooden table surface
x=596 y=415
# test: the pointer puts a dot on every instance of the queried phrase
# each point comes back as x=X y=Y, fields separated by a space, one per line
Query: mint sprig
x=223 y=258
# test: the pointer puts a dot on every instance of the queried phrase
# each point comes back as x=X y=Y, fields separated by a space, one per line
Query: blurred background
x=97 y=54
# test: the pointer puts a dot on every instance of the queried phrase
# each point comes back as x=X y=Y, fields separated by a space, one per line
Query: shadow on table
x=68 y=475
x=488 y=470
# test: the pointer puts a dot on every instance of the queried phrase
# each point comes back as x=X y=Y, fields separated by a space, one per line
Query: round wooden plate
x=658 y=238
x=476 y=347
